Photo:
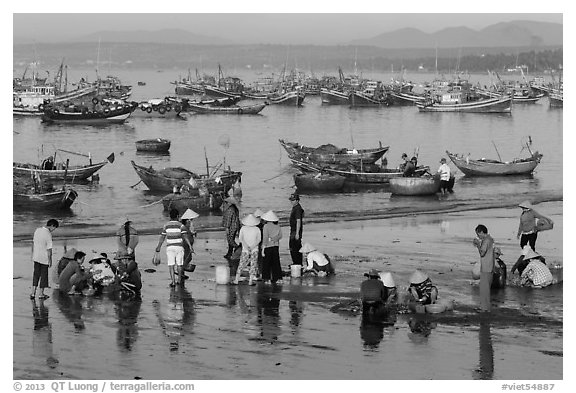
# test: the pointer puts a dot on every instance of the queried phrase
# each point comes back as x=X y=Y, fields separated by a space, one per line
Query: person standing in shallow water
x=485 y=245
x=231 y=223
x=296 y=224
x=42 y=257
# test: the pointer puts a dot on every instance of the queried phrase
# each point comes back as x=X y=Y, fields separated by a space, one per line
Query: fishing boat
x=373 y=95
x=330 y=154
x=423 y=185
x=199 y=203
x=403 y=98
x=334 y=97
x=140 y=83
x=61 y=199
x=453 y=102
x=487 y=167
x=289 y=98
x=166 y=179
x=61 y=172
x=225 y=86
x=114 y=114
x=556 y=99
x=157 y=145
x=229 y=110
x=318 y=182
x=163 y=108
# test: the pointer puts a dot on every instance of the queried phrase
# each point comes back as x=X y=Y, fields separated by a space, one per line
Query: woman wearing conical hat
x=421 y=288
x=271 y=235
x=388 y=281
x=528 y=230
x=187 y=220
x=249 y=237
x=316 y=261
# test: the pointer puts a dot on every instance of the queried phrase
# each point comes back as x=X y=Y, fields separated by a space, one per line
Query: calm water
x=254 y=150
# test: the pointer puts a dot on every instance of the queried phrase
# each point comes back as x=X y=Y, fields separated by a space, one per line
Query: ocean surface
x=267 y=179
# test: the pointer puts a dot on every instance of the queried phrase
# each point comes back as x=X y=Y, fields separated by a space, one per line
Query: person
x=527 y=255
x=536 y=274
x=404 y=162
x=101 y=270
x=186 y=220
x=421 y=288
x=231 y=223
x=316 y=261
x=296 y=224
x=42 y=257
x=258 y=214
x=500 y=274
x=528 y=230
x=271 y=235
x=73 y=278
x=126 y=239
x=66 y=258
x=485 y=245
x=444 y=171
x=48 y=163
x=175 y=235
x=129 y=284
x=372 y=292
x=249 y=237
x=390 y=286
x=236 y=189
x=410 y=167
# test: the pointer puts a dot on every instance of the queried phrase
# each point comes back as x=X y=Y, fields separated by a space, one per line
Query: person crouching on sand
x=421 y=288
x=73 y=278
x=372 y=292
x=317 y=262
x=390 y=286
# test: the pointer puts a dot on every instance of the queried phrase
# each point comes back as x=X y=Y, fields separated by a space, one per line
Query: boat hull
x=228 y=110
x=361 y=100
x=495 y=168
x=216 y=92
x=556 y=100
x=153 y=145
x=346 y=156
x=318 y=182
x=110 y=115
x=407 y=99
x=292 y=98
x=425 y=185
x=491 y=105
x=181 y=202
x=334 y=97
x=73 y=174
x=58 y=200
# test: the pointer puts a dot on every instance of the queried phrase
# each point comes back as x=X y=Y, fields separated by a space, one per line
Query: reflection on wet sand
x=177 y=317
x=372 y=328
x=485 y=368
x=268 y=311
x=420 y=330
x=127 y=313
x=71 y=308
x=42 y=335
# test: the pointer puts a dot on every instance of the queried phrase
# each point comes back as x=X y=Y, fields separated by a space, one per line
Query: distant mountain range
x=506 y=34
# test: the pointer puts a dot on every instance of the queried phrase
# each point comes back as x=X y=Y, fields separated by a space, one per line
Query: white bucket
x=222 y=274
x=295 y=271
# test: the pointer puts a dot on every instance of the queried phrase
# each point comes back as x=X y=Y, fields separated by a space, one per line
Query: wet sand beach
x=288 y=332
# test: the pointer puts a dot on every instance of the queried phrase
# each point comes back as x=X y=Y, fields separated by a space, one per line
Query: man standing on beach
x=485 y=245
x=42 y=257
x=296 y=217
x=175 y=234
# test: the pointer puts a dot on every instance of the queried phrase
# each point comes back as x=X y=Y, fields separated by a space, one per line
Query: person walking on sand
x=186 y=220
x=175 y=235
x=528 y=230
x=271 y=235
x=127 y=239
x=42 y=257
x=485 y=245
x=444 y=172
x=231 y=223
x=249 y=238
x=296 y=223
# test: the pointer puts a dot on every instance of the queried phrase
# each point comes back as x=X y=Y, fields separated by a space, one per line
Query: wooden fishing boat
x=198 y=203
x=367 y=99
x=61 y=173
x=318 y=182
x=166 y=179
x=290 y=98
x=524 y=96
x=556 y=99
x=230 y=110
x=107 y=115
x=330 y=154
x=157 y=145
x=164 y=108
x=61 y=199
x=402 y=98
x=454 y=103
x=486 y=167
x=334 y=97
x=423 y=185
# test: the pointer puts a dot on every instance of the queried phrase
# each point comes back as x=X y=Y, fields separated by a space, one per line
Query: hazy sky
x=276 y=26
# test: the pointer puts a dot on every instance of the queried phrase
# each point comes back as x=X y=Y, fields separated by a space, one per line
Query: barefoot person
x=296 y=222
x=42 y=257
x=271 y=235
x=485 y=245
x=249 y=238
x=528 y=230
x=175 y=235
x=73 y=278
x=421 y=288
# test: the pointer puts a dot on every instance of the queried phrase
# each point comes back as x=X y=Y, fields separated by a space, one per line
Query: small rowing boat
x=424 y=185
x=157 y=145
x=487 y=167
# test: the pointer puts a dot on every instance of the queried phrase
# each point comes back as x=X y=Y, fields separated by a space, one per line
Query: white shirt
x=316 y=256
x=42 y=243
x=444 y=172
x=249 y=237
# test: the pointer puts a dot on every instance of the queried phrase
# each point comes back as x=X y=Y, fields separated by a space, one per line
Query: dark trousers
x=295 y=246
x=529 y=239
x=40 y=275
x=271 y=268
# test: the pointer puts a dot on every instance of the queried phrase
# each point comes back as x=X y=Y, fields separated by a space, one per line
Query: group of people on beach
x=408 y=168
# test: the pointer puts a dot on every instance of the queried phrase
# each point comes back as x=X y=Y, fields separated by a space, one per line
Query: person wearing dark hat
x=444 y=172
x=127 y=239
x=421 y=288
x=410 y=167
x=296 y=223
x=373 y=293
x=528 y=230
x=231 y=223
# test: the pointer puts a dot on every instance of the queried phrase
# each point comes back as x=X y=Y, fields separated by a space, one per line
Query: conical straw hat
x=417 y=277
x=269 y=216
x=250 y=220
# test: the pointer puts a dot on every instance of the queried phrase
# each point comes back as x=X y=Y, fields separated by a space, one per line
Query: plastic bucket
x=295 y=271
x=222 y=274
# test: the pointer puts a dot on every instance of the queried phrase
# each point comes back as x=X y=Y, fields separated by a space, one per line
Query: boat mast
x=98 y=59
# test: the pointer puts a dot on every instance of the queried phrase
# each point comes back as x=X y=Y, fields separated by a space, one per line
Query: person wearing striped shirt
x=174 y=232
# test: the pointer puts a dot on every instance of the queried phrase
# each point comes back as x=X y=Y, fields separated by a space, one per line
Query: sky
x=273 y=27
